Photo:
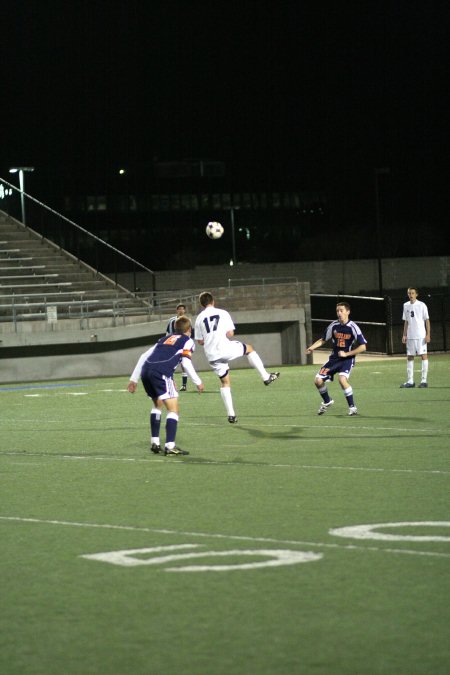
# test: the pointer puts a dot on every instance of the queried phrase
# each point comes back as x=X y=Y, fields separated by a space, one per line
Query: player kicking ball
x=214 y=329
x=344 y=334
x=155 y=367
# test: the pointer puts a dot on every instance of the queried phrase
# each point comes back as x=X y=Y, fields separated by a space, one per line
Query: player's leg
x=155 y=424
x=255 y=361
x=170 y=400
x=424 y=375
x=410 y=369
x=320 y=382
x=348 y=393
x=225 y=393
x=222 y=370
x=154 y=387
x=411 y=348
x=184 y=379
x=172 y=418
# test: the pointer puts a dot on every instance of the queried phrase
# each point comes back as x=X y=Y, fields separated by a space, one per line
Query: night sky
x=303 y=94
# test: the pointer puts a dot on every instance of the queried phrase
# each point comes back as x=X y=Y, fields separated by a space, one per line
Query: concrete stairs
x=35 y=274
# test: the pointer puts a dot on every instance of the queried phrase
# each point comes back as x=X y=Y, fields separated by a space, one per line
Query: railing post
x=388 y=319
x=444 y=322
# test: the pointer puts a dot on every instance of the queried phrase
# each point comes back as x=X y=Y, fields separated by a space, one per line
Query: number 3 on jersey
x=211 y=322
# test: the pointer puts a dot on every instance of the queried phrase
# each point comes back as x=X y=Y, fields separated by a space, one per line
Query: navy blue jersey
x=343 y=336
x=165 y=356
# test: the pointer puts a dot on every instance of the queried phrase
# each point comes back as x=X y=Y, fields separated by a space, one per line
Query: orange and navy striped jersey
x=167 y=353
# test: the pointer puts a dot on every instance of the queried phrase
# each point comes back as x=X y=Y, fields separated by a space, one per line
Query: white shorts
x=235 y=350
x=416 y=347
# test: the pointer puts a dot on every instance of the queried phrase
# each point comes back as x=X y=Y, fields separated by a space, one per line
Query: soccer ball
x=214 y=230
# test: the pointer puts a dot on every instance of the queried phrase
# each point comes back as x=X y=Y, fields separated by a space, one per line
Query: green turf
x=77 y=478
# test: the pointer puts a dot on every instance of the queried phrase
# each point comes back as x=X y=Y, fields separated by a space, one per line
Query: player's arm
x=229 y=333
x=405 y=332
x=135 y=375
x=428 y=329
x=353 y=352
x=190 y=370
x=315 y=345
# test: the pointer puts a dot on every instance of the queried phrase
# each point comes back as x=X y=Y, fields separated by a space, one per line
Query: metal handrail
x=89 y=235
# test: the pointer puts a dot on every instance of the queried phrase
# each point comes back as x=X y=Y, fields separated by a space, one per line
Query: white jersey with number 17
x=212 y=326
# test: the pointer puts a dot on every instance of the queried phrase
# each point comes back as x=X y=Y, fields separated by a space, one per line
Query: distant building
x=162 y=223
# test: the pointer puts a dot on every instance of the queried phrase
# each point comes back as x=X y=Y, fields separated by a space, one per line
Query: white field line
x=207 y=535
x=244 y=463
x=316 y=427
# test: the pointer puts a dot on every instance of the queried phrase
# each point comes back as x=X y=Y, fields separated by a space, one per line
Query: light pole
x=21 y=170
x=233 y=236
x=377 y=173
x=232 y=209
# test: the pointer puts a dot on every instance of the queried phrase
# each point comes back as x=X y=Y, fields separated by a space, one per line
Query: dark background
x=308 y=96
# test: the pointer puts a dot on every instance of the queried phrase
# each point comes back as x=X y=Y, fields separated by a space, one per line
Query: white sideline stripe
x=268 y=540
x=352 y=433
x=249 y=464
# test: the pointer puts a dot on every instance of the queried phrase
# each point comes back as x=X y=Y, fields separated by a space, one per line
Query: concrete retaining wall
x=279 y=336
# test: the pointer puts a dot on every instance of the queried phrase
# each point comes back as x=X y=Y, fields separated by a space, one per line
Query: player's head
x=206 y=298
x=183 y=324
x=343 y=311
x=181 y=309
x=412 y=293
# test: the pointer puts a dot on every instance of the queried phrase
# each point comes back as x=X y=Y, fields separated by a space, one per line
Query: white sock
x=424 y=370
x=255 y=361
x=225 y=393
x=410 y=371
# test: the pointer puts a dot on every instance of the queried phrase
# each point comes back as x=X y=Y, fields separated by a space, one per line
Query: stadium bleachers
x=39 y=279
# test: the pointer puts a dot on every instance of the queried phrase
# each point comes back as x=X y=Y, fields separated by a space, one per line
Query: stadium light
x=21 y=170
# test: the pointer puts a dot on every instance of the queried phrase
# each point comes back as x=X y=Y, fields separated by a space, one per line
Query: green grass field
x=244 y=576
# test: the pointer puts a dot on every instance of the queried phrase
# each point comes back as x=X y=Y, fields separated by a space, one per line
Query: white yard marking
x=113 y=390
x=368 y=531
x=243 y=464
x=277 y=558
x=225 y=537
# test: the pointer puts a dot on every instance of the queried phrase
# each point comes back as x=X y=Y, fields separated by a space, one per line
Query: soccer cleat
x=183 y=388
x=324 y=407
x=175 y=451
x=353 y=410
x=272 y=377
x=155 y=448
x=232 y=419
x=423 y=385
x=407 y=385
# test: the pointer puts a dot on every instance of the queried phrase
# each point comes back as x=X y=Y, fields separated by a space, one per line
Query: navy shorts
x=336 y=366
x=158 y=386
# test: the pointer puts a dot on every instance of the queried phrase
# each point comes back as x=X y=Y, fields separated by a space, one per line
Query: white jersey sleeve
x=135 y=375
